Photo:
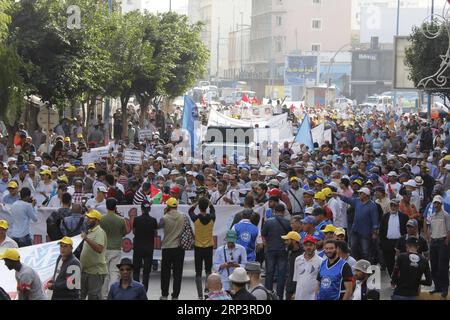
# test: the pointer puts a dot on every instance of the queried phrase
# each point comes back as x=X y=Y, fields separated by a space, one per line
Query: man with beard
x=292 y=242
x=93 y=258
x=306 y=269
x=335 y=276
x=361 y=291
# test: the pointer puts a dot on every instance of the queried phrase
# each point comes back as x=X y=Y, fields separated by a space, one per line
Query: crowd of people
x=318 y=225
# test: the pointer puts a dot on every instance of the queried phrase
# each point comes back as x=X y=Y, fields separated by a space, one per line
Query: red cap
x=175 y=190
x=310 y=239
x=275 y=192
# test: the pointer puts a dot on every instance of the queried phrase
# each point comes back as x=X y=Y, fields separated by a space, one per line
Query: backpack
x=270 y=294
x=76 y=231
x=53 y=226
x=187 y=238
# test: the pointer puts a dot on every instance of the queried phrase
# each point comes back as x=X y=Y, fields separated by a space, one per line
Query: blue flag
x=190 y=115
x=304 y=135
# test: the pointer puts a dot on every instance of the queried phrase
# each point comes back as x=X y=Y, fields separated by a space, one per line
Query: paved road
x=189 y=291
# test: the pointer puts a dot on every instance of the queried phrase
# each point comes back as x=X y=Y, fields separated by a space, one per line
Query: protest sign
x=133 y=156
x=145 y=134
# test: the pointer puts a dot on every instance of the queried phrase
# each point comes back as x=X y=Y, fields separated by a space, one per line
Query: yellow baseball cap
x=172 y=202
x=357 y=181
x=294 y=179
x=46 y=172
x=339 y=231
x=319 y=181
x=71 y=169
x=4 y=224
x=67 y=139
x=327 y=192
x=10 y=254
x=79 y=136
x=447 y=158
x=66 y=240
x=329 y=228
x=94 y=214
x=292 y=236
x=320 y=196
x=63 y=178
x=91 y=166
x=12 y=184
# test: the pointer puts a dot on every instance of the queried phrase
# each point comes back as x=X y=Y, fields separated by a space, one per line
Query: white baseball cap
x=365 y=191
x=438 y=199
x=102 y=189
x=411 y=183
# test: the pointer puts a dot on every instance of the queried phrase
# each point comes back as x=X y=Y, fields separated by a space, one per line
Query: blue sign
x=300 y=70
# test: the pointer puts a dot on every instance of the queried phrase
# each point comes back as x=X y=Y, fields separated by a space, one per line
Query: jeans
x=439 y=259
x=202 y=255
x=396 y=297
x=276 y=261
x=137 y=263
x=24 y=241
x=112 y=260
x=360 y=246
x=172 y=259
x=91 y=286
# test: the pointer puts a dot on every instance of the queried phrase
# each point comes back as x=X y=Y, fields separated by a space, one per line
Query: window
x=315 y=47
x=279 y=46
x=317 y=24
x=279 y=21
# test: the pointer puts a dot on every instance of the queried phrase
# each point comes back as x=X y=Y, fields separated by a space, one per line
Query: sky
x=163 y=5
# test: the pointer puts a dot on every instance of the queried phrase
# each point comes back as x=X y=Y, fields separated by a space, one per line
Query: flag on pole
x=156 y=195
x=245 y=98
x=304 y=135
x=292 y=108
x=190 y=115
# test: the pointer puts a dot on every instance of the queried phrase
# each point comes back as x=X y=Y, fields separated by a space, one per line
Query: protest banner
x=132 y=156
x=145 y=134
x=41 y=258
x=95 y=154
x=224 y=217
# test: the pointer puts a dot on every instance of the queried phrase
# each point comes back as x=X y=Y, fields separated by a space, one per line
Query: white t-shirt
x=99 y=206
x=9 y=243
x=305 y=274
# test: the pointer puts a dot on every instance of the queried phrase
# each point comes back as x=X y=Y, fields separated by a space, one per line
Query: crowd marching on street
x=317 y=226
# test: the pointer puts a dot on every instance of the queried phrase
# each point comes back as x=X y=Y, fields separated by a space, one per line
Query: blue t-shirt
x=247 y=233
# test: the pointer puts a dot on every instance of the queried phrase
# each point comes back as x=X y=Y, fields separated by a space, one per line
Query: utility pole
x=107 y=100
x=170 y=5
x=397 y=32
x=429 y=92
x=218 y=47
x=242 y=42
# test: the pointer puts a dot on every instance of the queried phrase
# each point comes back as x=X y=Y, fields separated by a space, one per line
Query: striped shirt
x=139 y=197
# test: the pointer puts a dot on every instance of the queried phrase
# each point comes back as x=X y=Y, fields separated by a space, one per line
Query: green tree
x=423 y=56
x=179 y=58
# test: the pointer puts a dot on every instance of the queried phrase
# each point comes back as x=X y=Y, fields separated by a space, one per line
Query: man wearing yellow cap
x=172 y=255
x=5 y=241
x=29 y=285
x=66 y=280
x=292 y=242
x=93 y=258
x=12 y=194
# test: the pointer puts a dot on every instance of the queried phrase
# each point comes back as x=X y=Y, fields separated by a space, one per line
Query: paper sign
x=145 y=134
x=133 y=157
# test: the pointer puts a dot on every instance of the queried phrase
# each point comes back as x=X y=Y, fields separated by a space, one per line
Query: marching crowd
x=317 y=227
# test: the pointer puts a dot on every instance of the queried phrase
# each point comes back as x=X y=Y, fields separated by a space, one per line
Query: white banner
x=95 y=154
x=217 y=119
x=41 y=258
x=224 y=218
x=320 y=135
x=132 y=156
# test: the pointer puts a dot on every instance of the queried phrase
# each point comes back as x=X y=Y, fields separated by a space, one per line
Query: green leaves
x=116 y=55
x=423 y=56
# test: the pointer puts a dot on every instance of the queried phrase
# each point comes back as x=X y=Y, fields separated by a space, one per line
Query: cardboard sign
x=133 y=157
